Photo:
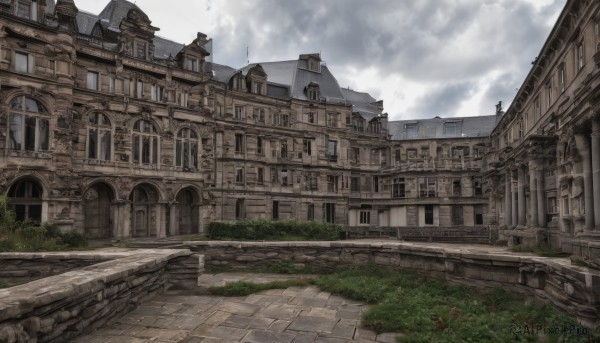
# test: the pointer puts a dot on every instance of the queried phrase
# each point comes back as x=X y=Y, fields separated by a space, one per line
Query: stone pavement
x=296 y=314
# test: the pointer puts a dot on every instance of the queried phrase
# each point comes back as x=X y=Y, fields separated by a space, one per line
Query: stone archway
x=144 y=211
x=98 y=203
x=187 y=212
x=25 y=198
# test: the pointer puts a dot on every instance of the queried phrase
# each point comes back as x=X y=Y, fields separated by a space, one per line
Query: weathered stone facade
x=543 y=168
x=113 y=131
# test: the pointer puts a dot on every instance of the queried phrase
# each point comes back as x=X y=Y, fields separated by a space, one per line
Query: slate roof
x=164 y=47
x=221 y=73
x=362 y=103
x=114 y=13
x=86 y=22
x=480 y=126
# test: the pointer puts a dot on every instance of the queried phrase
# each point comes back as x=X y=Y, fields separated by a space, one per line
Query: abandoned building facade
x=111 y=130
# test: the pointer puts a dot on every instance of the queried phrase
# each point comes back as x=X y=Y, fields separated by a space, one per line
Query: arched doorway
x=144 y=200
x=25 y=198
x=97 y=203
x=187 y=211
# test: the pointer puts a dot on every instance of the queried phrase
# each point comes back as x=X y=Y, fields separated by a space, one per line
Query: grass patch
x=241 y=288
x=262 y=229
x=428 y=309
x=541 y=250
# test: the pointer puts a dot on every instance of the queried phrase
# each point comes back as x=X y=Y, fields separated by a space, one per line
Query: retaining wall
x=60 y=307
x=575 y=290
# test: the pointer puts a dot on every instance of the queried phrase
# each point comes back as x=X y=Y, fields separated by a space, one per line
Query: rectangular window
x=566 y=210
x=311 y=117
x=260 y=175
x=478 y=210
x=411 y=131
x=274 y=176
x=239 y=112
x=258 y=88
x=193 y=64
x=427 y=187
x=580 y=56
x=549 y=93
x=259 y=146
x=183 y=99
x=332 y=184
x=239 y=143
x=332 y=150
x=92 y=80
x=561 y=78
x=239 y=175
x=22 y=62
x=111 y=84
x=284 y=120
x=354 y=155
x=365 y=217
x=332 y=119
x=157 y=93
x=284 y=149
x=456 y=189
x=139 y=89
x=457 y=215
x=411 y=153
x=538 y=107
x=310 y=212
x=355 y=184
x=552 y=206
x=239 y=209
x=275 y=209
x=428 y=214
x=330 y=212
x=24 y=9
x=398 y=188
x=261 y=116
x=307 y=146
x=284 y=177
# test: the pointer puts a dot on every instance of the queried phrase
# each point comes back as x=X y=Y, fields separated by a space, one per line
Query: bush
x=262 y=229
x=73 y=239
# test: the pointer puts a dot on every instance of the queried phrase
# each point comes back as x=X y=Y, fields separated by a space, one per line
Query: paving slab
x=292 y=315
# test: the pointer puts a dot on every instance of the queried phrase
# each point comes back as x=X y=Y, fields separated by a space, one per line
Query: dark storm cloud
x=443 y=101
x=446 y=45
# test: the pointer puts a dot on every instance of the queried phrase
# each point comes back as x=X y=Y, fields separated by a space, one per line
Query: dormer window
x=312 y=92
x=26 y=9
x=450 y=128
x=192 y=64
x=258 y=88
x=411 y=131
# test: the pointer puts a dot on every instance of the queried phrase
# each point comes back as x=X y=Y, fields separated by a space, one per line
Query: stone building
x=112 y=130
x=543 y=167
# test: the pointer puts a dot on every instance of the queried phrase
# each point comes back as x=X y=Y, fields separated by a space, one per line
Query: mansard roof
x=115 y=12
x=221 y=73
x=362 y=103
x=480 y=126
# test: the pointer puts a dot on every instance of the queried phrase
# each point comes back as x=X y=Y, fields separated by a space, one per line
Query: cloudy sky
x=424 y=58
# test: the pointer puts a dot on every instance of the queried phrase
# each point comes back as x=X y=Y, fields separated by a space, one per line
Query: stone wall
x=575 y=290
x=60 y=307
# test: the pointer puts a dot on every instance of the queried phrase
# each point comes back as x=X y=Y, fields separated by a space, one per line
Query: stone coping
x=16 y=302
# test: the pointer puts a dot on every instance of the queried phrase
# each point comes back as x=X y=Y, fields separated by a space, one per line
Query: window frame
x=239 y=143
x=187 y=140
x=28 y=62
x=100 y=127
x=31 y=138
x=364 y=217
x=138 y=136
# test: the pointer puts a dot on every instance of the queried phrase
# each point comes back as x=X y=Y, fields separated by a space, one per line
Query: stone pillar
x=541 y=196
x=521 y=190
x=596 y=169
x=508 y=200
x=583 y=147
x=533 y=200
x=514 y=210
x=173 y=223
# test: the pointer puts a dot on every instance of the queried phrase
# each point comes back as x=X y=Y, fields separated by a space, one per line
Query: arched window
x=25 y=198
x=28 y=125
x=186 y=149
x=99 y=137
x=145 y=143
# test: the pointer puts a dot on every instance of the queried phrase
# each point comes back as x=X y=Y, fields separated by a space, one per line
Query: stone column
x=522 y=209
x=596 y=169
x=533 y=200
x=583 y=146
x=514 y=210
x=173 y=224
x=541 y=195
x=508 y=199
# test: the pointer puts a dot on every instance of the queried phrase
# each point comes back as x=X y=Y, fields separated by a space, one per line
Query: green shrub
x=262 y=229
x=73 y=239
x=7 y=216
